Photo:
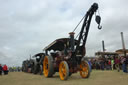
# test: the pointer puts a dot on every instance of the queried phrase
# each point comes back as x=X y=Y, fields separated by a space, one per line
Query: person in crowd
x=123 y=61
x=106 y=64
x=97 y=64
x=90 y=65
x=93 y=61
x=14 y=68
x=102 y=63
x=1 y=69
x=112 y=63
x=29 y=68
x=109 y=64
x=5 y=69
x=126 y=64
x=117 y=63
x=10 y=69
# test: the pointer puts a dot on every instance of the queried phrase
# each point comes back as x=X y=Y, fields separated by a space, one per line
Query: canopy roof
x=38 y=54
x=106 y=53
x=58 y=44
x=120 y=51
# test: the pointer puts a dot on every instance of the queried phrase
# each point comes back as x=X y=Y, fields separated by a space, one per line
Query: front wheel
x=63 y=70
x=84 y=69
x=48 y=69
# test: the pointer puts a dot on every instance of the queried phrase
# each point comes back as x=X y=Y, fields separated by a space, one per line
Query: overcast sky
x=27 y=26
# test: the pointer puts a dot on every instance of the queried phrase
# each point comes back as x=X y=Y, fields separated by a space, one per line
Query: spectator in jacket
x=126 y=64
x=123 y=61
x=112 y=64
x=117 y=63
x=109 y=64
x=102 y=63
x=90 y=65
x=1 y=69
x=5 y=69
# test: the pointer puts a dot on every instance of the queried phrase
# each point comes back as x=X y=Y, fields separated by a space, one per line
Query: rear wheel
x=85 y=70
x=63 y=70
x=48 y=69
x=36 y=69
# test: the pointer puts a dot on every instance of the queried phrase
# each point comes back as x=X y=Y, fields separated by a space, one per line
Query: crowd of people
x=110 y=63
x=3 y=69
x=101 y=63
x=15 y=69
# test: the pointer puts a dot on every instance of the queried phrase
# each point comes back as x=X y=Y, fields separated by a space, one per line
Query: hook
x=99 y=27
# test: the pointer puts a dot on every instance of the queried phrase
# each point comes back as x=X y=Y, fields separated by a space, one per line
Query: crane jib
x=85 y=28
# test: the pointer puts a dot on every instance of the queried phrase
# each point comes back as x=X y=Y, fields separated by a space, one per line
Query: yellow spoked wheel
x=85 y=71
x=63 y=70
x=48 y=66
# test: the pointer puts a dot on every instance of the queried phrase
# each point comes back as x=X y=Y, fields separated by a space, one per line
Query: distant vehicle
x=37 y=66
x=27 y=65
x=34 y=65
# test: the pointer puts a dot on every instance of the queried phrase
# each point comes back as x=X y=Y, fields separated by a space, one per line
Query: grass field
x=96 y=78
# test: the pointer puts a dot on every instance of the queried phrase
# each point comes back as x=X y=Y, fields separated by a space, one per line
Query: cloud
x=27 y=26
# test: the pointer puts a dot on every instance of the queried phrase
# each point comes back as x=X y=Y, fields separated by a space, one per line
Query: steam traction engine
x=65 y=55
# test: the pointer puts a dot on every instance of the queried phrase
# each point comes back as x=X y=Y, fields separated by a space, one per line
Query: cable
x=79 y=23
x=77 y=35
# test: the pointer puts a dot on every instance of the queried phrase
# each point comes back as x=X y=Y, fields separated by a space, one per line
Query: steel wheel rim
x=62 y=71
x=84 y=69
x=45 y=66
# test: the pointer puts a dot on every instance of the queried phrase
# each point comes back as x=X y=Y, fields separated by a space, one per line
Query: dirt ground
x=96 y=78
